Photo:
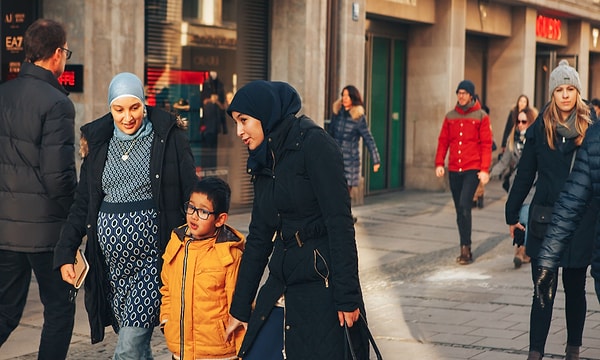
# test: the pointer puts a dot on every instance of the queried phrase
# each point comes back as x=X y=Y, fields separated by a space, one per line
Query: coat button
x=263 y=318
x=287 y=327
x=157 y=176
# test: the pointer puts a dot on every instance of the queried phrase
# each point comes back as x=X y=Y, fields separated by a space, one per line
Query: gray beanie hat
x=564 y=74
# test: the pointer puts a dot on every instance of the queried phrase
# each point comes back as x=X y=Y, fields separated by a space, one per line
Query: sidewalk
x=420 y=303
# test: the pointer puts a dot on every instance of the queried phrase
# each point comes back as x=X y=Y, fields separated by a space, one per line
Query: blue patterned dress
x=128 y=233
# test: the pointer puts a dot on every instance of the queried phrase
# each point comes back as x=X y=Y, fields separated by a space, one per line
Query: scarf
x=270 y=102
x=567 y=129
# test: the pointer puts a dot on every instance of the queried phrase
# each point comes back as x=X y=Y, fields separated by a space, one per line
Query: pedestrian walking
x=137 y=166
x=548 y=156
x=466 y=135
x=508 y=164
x=199 y=274
x=37 y=186
x=348 y=125
x=302 y=227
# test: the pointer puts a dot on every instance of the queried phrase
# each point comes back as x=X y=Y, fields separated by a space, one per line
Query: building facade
x=406 y=57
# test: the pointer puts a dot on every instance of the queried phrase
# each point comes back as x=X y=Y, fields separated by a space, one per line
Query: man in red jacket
x=467 y=134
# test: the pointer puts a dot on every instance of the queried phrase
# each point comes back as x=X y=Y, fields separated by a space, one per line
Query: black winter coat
x=172 y=176
x=37 y=160
x=303 y=201
x=580 y=194
x=552 y=168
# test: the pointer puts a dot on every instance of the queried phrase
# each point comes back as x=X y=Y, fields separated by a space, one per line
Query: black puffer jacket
x=304 y=192
x=37 y=160
x=580 y=195
x=552 y=168
x=172 y=174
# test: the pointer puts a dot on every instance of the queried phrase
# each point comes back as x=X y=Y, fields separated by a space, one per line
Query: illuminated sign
x=72 y=78
x=16 y=16
x=548 y=28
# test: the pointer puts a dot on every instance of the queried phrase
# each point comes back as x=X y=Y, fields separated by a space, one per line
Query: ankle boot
x=526 y=259
x=518 y=259
x=465 y=257
x=572 y=352
x=534 y=355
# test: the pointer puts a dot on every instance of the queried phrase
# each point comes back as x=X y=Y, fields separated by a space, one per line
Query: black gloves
x=518 y=237
x=545 y=283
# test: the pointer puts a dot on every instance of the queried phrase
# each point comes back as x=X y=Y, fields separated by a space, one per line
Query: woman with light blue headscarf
x=137 y=172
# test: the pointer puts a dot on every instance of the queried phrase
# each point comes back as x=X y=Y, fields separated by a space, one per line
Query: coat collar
x=101 y=130
x=31 y=70
x=355 y=111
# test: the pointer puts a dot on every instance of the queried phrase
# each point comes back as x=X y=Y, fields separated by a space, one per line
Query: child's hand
x=232 y=326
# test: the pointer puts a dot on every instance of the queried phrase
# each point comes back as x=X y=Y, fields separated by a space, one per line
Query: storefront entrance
x=384 y=98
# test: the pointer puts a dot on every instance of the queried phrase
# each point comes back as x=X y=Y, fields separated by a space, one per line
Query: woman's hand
x=513 y=227
x=67 y=271
x=232 y=326
x=439 y=171
x=348 y=317
x=376 y=167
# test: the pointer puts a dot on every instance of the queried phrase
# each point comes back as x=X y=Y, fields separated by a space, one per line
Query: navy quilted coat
x=580 y=195
x=347 y=127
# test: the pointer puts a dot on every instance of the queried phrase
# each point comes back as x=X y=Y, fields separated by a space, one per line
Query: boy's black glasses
x=191 y=209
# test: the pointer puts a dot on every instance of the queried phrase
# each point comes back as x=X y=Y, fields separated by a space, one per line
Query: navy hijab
x=270 y=102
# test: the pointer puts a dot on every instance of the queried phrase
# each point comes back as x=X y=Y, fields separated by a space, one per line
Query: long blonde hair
x=552 y=117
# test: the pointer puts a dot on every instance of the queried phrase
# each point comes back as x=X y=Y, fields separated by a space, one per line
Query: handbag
x=81 y=267
x=540 y=217
x=364 y=327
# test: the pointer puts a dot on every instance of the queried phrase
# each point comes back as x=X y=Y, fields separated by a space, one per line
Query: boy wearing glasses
x=200 y=270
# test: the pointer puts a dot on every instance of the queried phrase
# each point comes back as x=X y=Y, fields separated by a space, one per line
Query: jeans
x=268 y=344
x=573 y=280
x=59 y=311
x=463 y=186
x=134 y=344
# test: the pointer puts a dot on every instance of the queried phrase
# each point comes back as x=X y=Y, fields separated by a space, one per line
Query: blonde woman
x=548 y=155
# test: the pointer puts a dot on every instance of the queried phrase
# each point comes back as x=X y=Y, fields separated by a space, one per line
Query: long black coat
x=580 y=194
x=37 y=161
x=172 y=174
x=552 y=168
x=304 y=192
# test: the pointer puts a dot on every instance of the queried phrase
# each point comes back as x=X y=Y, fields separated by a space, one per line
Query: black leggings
x=573 y=280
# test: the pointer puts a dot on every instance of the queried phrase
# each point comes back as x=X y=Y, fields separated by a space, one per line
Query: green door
x=385 y=107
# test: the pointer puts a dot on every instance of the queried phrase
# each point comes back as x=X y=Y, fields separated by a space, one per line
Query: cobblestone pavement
x=420 y=303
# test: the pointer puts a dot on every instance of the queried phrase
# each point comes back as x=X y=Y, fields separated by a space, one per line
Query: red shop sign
x=547 y=28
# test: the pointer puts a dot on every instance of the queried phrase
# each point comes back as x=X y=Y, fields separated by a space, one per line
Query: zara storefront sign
x=548 y=28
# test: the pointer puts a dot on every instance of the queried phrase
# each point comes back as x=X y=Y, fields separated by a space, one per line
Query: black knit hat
x=467 y=86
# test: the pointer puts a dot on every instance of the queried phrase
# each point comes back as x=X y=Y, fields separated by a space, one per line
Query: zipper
x=284 y=330
x=182 y=311
x=326 y=276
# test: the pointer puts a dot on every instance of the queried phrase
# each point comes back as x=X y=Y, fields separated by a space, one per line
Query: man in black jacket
x=37 y=185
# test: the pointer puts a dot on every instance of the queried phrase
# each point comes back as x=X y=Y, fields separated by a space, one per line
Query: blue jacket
x=579 y=197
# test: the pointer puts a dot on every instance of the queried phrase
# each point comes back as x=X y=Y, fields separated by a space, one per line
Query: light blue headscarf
x=128 y=84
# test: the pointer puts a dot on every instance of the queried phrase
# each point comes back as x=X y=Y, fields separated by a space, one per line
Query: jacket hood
x=227 y=239
x=356 y=111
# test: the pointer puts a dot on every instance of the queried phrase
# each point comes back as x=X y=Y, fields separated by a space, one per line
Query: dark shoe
x=534 y=355
x=572 y=352
x=355 y=219
x=517 y=261
x=465 y=257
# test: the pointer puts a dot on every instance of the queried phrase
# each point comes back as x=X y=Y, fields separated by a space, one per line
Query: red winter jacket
x=468 y=136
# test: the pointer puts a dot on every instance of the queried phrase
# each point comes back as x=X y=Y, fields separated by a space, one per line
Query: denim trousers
x=573 y=280
x=59 y=310
x=463 y=186
x=134 y=344
x=268 y=344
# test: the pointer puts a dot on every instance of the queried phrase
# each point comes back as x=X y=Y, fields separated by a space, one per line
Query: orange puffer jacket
x=203 y=273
